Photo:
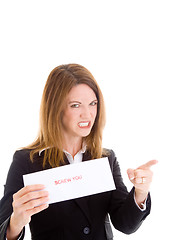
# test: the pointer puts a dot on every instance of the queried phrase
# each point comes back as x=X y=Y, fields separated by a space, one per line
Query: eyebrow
x=81 y=103
x=74 y=102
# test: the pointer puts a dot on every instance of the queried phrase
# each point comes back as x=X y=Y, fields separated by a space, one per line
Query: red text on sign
x=67 y=180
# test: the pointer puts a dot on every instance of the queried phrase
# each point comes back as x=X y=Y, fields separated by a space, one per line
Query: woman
x=72 y=118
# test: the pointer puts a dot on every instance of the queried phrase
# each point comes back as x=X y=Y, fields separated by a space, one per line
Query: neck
x=72 y=145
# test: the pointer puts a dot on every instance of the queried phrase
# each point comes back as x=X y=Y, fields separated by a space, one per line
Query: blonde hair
x=60 y=81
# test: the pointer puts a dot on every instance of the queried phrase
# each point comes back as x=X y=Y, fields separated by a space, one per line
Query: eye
x=76 y=105
x=94 y=103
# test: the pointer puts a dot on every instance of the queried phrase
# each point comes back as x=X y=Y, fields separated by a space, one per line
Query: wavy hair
x=59 y=83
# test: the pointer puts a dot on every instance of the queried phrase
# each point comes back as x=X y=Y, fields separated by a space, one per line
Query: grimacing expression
x=80 y=111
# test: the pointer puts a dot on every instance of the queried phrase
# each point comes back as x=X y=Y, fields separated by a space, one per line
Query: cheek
x=68 y=113
x=94 y=113
x=70 y=116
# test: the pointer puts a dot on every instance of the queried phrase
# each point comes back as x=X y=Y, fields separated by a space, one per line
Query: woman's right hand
x=26 y=202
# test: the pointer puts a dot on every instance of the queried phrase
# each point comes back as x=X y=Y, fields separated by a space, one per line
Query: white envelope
x=74 y=180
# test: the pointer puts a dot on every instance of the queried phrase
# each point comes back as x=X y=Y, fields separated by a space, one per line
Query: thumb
x=130 y=173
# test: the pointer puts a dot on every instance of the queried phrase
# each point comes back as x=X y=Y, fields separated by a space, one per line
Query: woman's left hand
x=141 y=178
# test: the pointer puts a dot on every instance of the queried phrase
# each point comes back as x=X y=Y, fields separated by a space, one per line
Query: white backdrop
x=127 y=46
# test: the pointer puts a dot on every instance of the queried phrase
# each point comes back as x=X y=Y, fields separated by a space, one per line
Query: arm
x=5 y=218
x=124 y=213
x=13 y=184
x=19 y=203
x=3 y=230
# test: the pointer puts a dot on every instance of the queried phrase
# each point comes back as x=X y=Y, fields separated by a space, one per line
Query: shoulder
x=116 y=171
x=19 y=166
x=21 y=161
x=109 y=153
x=23 y=154
x=22 y=157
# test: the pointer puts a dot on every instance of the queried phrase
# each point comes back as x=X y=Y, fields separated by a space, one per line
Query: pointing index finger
x=148 y=164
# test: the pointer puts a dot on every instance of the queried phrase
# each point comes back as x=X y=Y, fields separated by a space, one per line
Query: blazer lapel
x=83 y=202
x=86 y=156
x=83 y=205
x=66 y=162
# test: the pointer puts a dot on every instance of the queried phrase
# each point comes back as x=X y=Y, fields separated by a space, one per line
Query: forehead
x=81 y=92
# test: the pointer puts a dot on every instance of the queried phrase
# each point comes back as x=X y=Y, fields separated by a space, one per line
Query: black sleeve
x=13 y=184
x=124 y=213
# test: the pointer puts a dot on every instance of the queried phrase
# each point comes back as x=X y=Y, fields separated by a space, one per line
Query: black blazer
x=77 y=219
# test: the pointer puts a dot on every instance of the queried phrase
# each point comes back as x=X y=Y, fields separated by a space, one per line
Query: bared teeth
x=83 y=124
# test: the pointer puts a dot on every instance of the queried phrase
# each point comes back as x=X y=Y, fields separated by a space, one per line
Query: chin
x=85 y=134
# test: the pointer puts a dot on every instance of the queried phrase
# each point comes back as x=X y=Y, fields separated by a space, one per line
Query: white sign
x=74 y=180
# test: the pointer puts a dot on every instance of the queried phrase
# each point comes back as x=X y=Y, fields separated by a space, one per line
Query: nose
x=85 y=113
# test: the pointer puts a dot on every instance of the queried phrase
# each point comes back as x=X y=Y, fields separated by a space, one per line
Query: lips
x=84 y=124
